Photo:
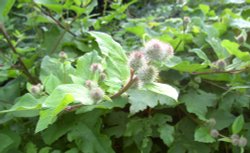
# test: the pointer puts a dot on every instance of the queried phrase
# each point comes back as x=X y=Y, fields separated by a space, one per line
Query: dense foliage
x=124 y=76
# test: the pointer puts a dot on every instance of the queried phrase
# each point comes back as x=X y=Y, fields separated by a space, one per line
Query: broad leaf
x=58 y=101
x=202 y=134
x=87 y=136
x=6 y=141
x=166 y=134
x=5 y=7
x=197 y=102
x=84 y=63
x=163 y=89
x=141 y=99
x=233 y=49
x=26 y=106
x=238 y=124
x=116 y=59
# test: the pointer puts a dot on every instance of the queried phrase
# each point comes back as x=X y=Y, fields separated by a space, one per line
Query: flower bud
x=102 y=76
x=157 y=50
x=96 y=94
x=96 y=67
x=235 y=139
x=36 y=89
x=241 y=39
x=63 y=55
x=242 y=142
x=89 y=84
x=147 y=74
x=211 y=122
x=186 y=20
x=221 y=64
x=214 y=133
x=137 y=60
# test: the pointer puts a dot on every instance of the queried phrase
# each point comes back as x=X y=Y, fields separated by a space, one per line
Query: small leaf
x=49 y=116
x=6 y=141
x=238 y=124
x=202 y=134
x=233 y=49
x=166 y=134
x=141 y=99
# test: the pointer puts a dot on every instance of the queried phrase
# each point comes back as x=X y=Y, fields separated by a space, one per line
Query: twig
x=216 y=85
x=57 y=42
x=61 y=37
x=132 y=79
x=73 y=107
x=24 y=69
x=55 y=20
x=219 y=72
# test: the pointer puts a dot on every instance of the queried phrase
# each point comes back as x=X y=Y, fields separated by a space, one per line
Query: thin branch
x=24 y=69
x=55 y=20
x=73 y=107
x=220 y=72
x=57 y=42
x=216 y=85
x=132 y=79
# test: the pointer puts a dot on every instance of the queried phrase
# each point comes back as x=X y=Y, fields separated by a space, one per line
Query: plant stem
x=24 y=69
x=132 y=79
x=219 y=72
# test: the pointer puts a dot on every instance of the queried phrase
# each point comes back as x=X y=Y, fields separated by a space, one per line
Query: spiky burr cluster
x=137 y=60
x=140 y=61
x=157 y=50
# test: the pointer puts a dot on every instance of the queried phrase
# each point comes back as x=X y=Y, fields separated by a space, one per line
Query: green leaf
x=27 y=106
x=51 y=4
x=116 y=103
x=205 y=8
x=238 y=124
x=202 y=134
x=83 y=65
x=5 y=7
x=223 y=118
x=116 y=59
x=240 y=23
x=201 y=54
x=141 y=99
x=59 y=100
x=198 y=101
x=57 y=130
x=186 y=66
x=217 y=48
x=87 y=136
x=30 y=147
x=51 y=82
x=163 y=89
x=49 y=116
x=6 y=141
x=233 y=49
x=52 y=67
x=166 y=134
